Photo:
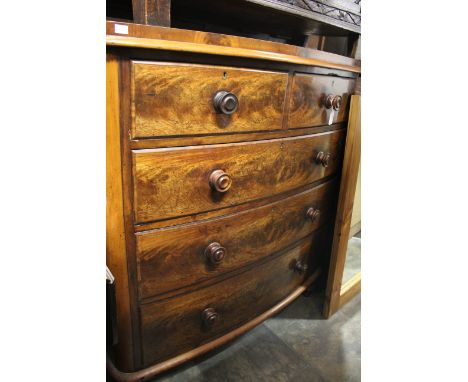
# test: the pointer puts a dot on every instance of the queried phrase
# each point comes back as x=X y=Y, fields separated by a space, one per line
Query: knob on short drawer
x=225 y=102
x=215 y=253
x=333 y=101
x=337 y=102
x=209 y=317
x=313 y=213
x=300 y=267
x=323 y=158
x=220 y=181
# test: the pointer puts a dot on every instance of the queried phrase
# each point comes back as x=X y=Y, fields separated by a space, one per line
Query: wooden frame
x=179 y=40
x=116 y=243
x=336 y=295
x=350 y=289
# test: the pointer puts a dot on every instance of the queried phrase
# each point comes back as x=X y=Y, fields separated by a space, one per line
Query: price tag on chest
x=331 y=115
x=333 y=104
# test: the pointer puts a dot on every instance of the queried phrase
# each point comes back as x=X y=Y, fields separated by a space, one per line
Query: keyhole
x=225 y=75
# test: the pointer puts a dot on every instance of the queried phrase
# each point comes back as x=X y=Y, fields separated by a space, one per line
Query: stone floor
x=296 y=345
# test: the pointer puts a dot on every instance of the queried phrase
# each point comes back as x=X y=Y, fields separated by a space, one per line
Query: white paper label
x=330 y=119
x=121 y=29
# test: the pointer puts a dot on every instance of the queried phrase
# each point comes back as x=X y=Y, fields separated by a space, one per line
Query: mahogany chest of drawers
x=223 y=171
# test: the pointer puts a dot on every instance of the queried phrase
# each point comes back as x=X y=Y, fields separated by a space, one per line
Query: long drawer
x=318 y=100
x=175 y=257
x=181 y=99
x=180 y=324
x=173 y=182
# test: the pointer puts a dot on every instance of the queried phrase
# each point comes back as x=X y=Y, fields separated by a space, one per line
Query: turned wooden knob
x=333 y=101
x=220 y=181
x=225 y=102
x=313 y=213
x=323 y=159
x=215 y=253
x=209 y=317
x=300 y=267
x=337 y=102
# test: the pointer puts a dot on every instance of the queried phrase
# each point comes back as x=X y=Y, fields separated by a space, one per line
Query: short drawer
x=175 y=257
x=176 y=325
x=172 y=182
x=181 y=99
x=319 y=100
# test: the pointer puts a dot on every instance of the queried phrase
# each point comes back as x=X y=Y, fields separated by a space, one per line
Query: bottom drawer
x=178 y=324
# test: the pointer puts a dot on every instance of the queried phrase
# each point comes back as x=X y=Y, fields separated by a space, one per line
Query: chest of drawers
x=223 y=170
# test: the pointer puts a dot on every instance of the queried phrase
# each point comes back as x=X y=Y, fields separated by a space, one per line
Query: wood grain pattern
x=149 y=372
x=128 y=203
x=165 y=43
x=177 y=99
x=351 y=161
x=175 y=181
x=175 y=325
x=159 y=142
x=181 y=39
x=306 y=103
x=155 y=12
x=116 y=254
x=187 y=219
x=163 y=181
x=146 y=43
x=173 y=258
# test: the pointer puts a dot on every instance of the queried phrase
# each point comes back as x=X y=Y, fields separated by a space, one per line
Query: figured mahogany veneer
x=178 y=324
x=178 y=99
x=176 y=257
x=176 y=181
x=314 y=98
x=223 y=180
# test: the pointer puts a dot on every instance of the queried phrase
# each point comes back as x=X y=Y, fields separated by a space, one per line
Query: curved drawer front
x=179 y=181
x=177 y=99
x=176 y=257
x=308 y=102
x=176 y=325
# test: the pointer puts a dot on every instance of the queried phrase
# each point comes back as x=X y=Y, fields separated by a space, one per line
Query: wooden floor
x=297 y=345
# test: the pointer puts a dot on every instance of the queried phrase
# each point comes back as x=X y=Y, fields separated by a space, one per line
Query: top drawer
x=308 y=104
x=182 y=99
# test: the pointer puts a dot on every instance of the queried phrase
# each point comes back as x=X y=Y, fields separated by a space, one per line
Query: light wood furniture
x=356 y=215
x=224 y=159
x=336 y=293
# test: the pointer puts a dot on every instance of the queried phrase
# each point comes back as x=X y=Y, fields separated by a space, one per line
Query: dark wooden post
x=152 y=12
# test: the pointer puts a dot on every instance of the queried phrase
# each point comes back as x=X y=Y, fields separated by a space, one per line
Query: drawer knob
x=323 y=159
x=313 y=213
x=220 y=181
x=300 y=267
x=215 y=253
x=209 y=317
x=333 y=101
x=225 y=102
x=337 y=102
